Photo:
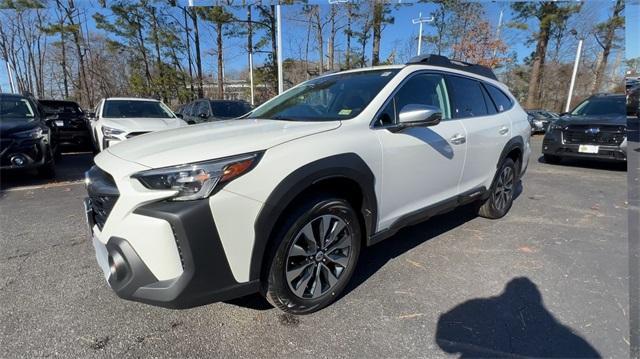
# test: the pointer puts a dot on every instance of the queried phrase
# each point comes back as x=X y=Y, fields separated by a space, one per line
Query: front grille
x=103 y=194
x=594 y=135
x=134 y=134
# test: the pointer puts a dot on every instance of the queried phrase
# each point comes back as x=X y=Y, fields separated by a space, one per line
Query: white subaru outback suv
x=282 y=201
x=119 y=118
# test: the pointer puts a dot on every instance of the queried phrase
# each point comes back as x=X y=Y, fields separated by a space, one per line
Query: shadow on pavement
x=513 y=324
x=69 y=167
x=592 y=164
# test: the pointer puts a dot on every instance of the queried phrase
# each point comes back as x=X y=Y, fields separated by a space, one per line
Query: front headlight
x=33 y=133
x=198 y=180
x=111 y=133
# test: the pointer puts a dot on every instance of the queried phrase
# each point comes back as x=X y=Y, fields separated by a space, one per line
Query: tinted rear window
x=468 y=99
x=229 y=108
x=61 y=107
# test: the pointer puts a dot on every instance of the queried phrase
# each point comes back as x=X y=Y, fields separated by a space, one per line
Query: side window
x=468 y=99
x=200 y=108
x=189 y=109
x=424 y=89
x=502 y=101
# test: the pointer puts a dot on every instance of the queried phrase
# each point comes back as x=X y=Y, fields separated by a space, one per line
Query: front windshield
x=229 y=108
x=334 y=97
x=601 y=106
x=135 y=108
x=16 y=108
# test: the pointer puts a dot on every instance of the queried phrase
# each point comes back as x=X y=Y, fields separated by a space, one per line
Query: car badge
x=593 y=130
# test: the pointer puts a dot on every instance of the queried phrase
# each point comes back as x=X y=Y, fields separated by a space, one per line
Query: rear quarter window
x=502 y=101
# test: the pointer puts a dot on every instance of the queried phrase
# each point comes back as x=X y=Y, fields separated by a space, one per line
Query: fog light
x=18 y=160
x=117 y=266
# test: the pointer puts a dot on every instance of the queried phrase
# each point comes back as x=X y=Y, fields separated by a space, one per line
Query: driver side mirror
x=203 y=116
x=415 y=115
x=179 y=115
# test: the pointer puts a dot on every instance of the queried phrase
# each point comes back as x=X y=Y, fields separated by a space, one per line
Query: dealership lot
x=556 y=267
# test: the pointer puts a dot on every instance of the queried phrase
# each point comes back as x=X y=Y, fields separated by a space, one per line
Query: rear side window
x=502 y=101
x=467 y=97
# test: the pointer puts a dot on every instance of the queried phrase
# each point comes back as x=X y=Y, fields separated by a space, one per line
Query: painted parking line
x=44 y=186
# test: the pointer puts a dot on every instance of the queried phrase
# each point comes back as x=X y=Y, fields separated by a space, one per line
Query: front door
x=421 y=166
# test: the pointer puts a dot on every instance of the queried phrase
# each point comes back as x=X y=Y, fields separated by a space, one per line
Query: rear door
x=488 y=129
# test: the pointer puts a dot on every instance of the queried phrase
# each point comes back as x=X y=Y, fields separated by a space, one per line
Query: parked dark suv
x=70 y=120
x=205 y=110
x=26 y=139
x=595 y=129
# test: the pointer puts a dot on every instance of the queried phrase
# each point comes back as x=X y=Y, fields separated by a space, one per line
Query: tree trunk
x=186 y=28
x=220 y=63
x=77 y=41
x=535 y=82
x=349 y=16
x=378 y=8
x=607 y=45
x=196 y=40
x=319 y=39
x=156 y=41
x=332 y=39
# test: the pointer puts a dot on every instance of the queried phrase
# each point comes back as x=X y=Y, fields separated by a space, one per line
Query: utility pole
x=279 y=48
x=421 y=20
x=250 y=50
x=575 y=70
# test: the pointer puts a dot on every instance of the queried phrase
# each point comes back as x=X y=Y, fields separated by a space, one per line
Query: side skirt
x=423 y=214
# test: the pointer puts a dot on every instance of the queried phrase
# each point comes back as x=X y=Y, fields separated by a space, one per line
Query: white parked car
x=282 y=201
x=119 y=118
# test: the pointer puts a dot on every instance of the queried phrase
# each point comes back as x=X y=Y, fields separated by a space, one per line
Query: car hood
x=9 y=126
x=212 y=140
x=591 y=120
x=142 y=124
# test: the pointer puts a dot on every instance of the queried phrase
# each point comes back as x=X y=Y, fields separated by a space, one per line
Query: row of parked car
x=33 y=132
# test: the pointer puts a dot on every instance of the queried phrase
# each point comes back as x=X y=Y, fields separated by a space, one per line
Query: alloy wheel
x=503 y=193
x=318 y=256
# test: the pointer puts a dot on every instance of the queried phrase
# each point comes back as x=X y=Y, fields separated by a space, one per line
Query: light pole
x=575 y=69
x=279 y=49
x=495 y=51
x=421 y=20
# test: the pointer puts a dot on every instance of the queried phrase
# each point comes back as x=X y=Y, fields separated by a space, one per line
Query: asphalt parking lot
x=549 y=279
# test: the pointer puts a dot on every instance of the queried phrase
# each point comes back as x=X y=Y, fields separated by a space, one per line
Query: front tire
x=501 y=192
x=318 y=252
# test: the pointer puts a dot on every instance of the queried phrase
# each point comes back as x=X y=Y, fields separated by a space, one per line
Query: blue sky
x=397 y=34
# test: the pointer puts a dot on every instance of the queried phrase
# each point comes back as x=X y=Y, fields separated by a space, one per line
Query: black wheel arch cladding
x=516 y=143
x=347 y=166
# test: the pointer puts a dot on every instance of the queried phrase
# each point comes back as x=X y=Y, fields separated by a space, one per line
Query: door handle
x=458 y=139
x=503 y=130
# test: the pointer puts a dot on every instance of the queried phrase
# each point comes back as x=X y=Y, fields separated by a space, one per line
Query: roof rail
x=442 y=61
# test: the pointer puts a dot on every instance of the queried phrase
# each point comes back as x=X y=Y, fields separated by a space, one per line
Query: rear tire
x=501 y=193
x=552 y=159
x=306 y=274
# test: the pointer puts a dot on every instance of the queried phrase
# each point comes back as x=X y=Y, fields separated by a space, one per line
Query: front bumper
x=554 y=145
x=205 y=277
